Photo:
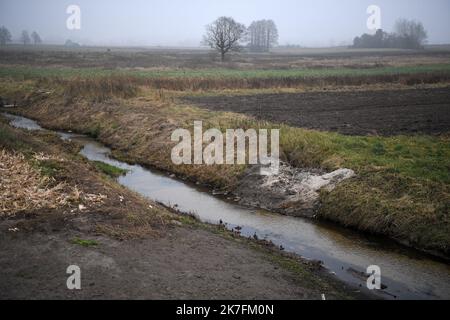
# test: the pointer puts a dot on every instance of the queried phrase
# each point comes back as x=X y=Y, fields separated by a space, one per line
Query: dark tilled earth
x=383 y=112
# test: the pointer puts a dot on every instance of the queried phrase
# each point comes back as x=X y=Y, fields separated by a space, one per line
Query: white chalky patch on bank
x=292 y=191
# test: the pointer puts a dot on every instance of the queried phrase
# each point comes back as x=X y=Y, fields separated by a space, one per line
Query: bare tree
x=251 y=34
x=263 y=35
x=36 y=38
x=254 y=35
x=224 y=35
x=271 y=34
x=25 y=37
x=412 y=32
x=5 y=36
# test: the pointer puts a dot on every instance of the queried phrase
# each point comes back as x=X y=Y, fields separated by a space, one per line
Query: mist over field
x=181 y=23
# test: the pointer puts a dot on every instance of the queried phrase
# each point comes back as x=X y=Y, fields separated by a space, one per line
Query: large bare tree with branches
x=224 y=35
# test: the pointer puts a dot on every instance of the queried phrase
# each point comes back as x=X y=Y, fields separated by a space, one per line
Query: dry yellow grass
x=23 y=188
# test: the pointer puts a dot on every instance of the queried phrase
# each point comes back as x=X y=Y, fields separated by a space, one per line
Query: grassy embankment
x=403 y=185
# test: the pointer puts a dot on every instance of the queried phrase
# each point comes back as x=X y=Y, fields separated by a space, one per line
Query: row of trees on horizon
x=25 y=38
x=408 y=34
x=226 y=35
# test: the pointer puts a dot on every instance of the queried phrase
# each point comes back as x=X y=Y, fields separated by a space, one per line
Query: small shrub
x=110 y=170
x=85 y=243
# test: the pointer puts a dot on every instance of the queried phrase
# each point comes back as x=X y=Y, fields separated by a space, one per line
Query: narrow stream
x=407 y=273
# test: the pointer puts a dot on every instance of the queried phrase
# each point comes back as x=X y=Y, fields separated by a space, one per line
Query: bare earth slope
x=181 y=265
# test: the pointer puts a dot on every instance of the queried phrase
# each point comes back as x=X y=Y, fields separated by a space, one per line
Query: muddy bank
x=386 y=112
x=292 y=191
x=183 y=264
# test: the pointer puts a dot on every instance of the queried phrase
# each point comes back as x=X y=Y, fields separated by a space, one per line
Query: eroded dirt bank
x=291 y=191
x=128 y=247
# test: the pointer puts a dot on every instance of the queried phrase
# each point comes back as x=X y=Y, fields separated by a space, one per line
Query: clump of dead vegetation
x=225 y=83
x=23 y=188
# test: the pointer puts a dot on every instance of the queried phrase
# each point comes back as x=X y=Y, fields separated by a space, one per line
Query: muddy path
x=183 y=264
x=383 y=112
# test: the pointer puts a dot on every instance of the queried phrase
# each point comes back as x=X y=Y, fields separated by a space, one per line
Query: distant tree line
x=5 y=37
x=291 y=46
x=408 y=34
x=70 y=44
x=226 y=35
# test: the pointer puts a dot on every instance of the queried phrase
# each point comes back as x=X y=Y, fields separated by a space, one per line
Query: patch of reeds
x=98 y=89
x=205 y=84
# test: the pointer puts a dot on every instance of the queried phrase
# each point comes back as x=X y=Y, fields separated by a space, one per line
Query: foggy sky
x=182 y=22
